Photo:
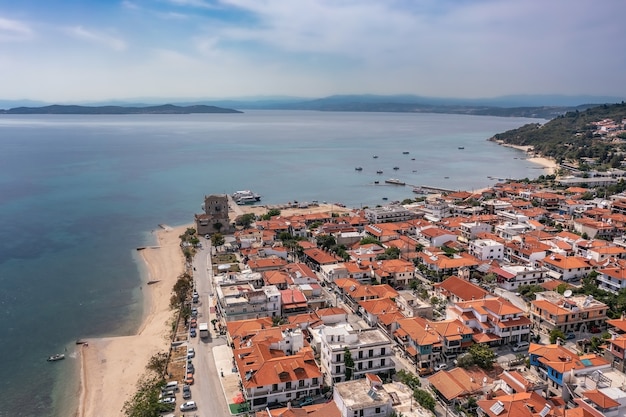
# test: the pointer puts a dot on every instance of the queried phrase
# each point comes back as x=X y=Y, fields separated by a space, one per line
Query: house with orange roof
x=328 y=409
x=455 y=289
x=300 y=273
x=270 y=377
x=602 y=402
x=372 y=309
x=615 y=352
x=601 y=253
x=518 y=381
x=561 y=366
x=525 y=251
x=521 y=404
x=611 y=279
x=420 y=341
x=382 y=231
x=366 y=253
x=332 y=315
x=406 y=245
x=457 y=385
x=511 y=277
x=396 y=272
x=239 y=330
x=434 y=236
x=494 y=320
x=442 y=264
x=361 y=271
x=317 y=257
x=305 y=320
x=293 y=301
x=551 y=310
x=266 y=264
x=565 y=268
x=331 y=273
x=596 y=229
x=456 y=338
x=280 y=279
x=547 y=200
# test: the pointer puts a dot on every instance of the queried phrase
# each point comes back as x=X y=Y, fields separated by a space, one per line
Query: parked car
x=188 y=406
x=520 y=346
x=186 y=395
x=192 y=333
x=168 y=400
x=570 y=336
x=191 y=368
x=194 y=323
x=425 y=371
x=441 y=367
x=595 y=329
x=189 y=379
x=190 y=353
x=194 y=312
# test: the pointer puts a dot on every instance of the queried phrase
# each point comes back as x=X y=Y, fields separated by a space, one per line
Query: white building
x=362 y=398
x=388 y=214
x=370 y=350
x=470 y=230
x=241 y=302
x=485 y=249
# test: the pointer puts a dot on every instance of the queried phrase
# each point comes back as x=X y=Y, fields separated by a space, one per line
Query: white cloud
x=107 y=40
x=13 y=30
x=130 y=5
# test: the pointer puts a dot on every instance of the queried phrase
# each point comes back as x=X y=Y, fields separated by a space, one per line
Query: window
x=301 y=383
x=370 y=353
x=275 y=387
x=369 y=364
x=315 y=381
x=382 y=362
x=382 y=351
x=338 y=356
x=288 y=385
x=338 y=368
x=377 y=410
x=360 y=354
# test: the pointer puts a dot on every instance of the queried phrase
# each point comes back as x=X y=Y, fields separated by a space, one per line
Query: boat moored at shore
x=56 y=357
x=395 y=181
x=246 y=197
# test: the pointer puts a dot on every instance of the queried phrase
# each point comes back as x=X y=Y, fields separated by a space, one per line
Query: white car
x=168 y=400
x=441 y=367
x=191 y=353
x=188 y=406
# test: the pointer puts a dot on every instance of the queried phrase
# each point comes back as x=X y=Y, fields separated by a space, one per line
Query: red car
x=595 y=329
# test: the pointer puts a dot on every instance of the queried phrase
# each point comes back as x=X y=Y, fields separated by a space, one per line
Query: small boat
x=358 y=169
x=461 y=147
x=385 y=198
x=412 y=159
x=379 y=172
x=56 y=357
x=405 y=152
x=376 y=182
x=375 y=156
x=395 y=181
x=446 y=177
x=396 y=168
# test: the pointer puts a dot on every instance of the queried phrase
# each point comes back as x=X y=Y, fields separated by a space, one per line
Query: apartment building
x=370 y=350
x=551 y=310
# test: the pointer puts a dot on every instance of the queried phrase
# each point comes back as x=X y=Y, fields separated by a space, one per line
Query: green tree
x=245 y=220
x=217 y=239
x=482 y=356
x=368 y=240
x=218 y=226
x=424 y=399
x=145 y=401
x=556 y=334
x=349 y=363
x=326 y=241
x=270 y=213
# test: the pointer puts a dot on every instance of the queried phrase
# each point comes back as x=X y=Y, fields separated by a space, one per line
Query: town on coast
x=456 y=303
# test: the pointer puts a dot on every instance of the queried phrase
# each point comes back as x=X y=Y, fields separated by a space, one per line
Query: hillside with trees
x=574 y=135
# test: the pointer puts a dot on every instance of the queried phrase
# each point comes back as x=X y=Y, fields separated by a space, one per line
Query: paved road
x=207 y=390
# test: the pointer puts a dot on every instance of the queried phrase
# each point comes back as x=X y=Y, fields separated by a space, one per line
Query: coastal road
x=207 y=389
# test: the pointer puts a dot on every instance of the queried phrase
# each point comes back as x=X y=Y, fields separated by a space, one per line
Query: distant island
x=163 y=109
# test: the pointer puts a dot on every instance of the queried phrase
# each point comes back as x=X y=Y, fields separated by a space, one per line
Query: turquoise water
x=79 y=193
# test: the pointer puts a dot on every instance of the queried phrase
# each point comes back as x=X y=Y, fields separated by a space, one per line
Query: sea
x=79 y=193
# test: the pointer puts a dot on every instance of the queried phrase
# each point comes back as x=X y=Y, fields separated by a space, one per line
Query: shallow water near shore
x=78 y=194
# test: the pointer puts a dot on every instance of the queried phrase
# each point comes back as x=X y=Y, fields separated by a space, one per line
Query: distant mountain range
x=73 y=109
x=537 y=106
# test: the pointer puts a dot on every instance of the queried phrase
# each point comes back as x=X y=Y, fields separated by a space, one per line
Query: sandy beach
x=548 y=164
x=111 y=366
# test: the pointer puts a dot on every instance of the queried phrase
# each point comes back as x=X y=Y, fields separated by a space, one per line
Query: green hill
x=573 y=135
x=164 y=109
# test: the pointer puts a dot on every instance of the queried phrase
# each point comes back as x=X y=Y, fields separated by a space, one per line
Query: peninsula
x=73 y=109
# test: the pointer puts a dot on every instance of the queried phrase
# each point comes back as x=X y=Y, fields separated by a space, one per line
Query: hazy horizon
x=72 y=51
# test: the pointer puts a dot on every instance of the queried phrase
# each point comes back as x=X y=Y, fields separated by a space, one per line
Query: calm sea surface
x=78 y=194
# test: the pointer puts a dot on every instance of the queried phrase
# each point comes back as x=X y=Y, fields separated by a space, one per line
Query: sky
x=81 y=50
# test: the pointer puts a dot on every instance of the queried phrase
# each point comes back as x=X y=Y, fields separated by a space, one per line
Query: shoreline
x=110 y=367
x=547 y=163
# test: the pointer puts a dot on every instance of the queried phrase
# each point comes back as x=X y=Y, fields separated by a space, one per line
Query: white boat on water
x=246 y=197
x=395 y=181
x=56 y=357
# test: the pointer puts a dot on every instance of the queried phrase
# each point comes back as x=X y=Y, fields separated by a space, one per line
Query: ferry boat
x=395 y=181
x=246 y=197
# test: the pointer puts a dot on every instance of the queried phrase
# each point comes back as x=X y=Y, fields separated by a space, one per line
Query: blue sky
x=74 y=50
